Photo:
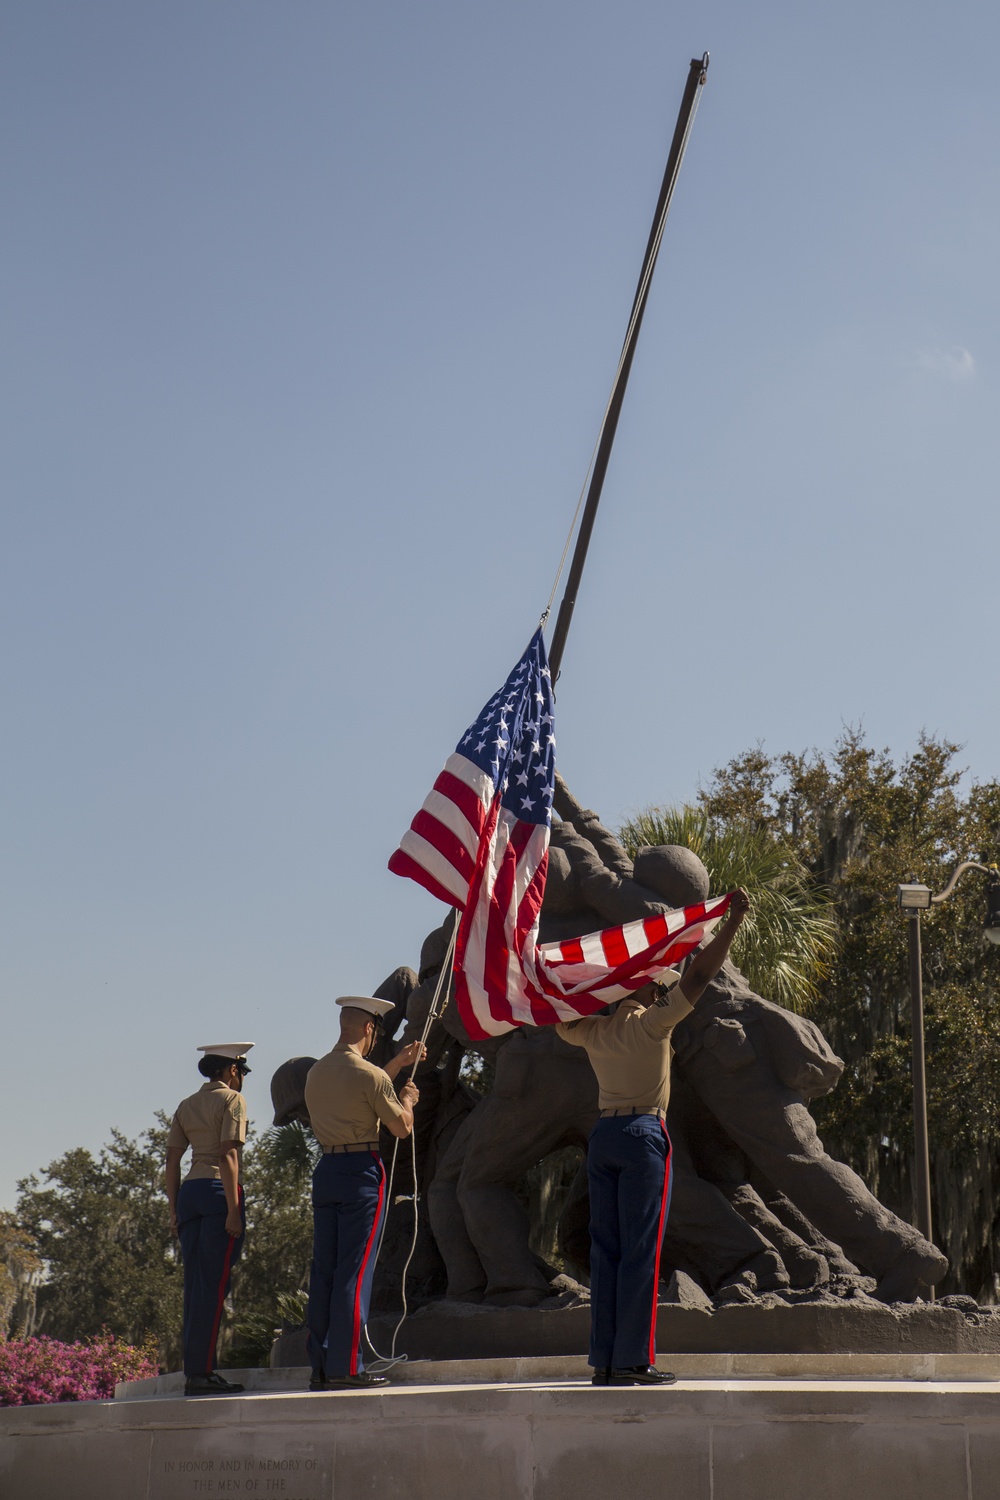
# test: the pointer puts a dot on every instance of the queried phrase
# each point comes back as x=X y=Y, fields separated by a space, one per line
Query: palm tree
x=785 y=945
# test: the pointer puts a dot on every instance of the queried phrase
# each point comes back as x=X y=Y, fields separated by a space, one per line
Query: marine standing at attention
x=347 y=1098
x=206 y=1210
x=628 y=1159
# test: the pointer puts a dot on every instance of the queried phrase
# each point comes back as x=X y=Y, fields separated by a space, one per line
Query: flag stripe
x=448 y=812
x=467 y=786
x=443 y=839
x=402 y=864
x=480 y=842
x=614 y=946
x=440 y=870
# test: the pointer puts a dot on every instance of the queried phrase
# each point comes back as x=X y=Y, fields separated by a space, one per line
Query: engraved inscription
x=282 y=1475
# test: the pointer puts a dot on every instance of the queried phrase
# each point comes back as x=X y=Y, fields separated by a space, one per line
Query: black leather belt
x=337 y=1150
x=609 y=1114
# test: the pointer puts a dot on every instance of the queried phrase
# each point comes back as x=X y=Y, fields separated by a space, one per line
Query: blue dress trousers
x=348 y=1198
x=628 y=1173
x=209 y=1254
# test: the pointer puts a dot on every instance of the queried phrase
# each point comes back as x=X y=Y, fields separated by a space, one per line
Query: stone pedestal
x=458 y=1330
x=549 y=1439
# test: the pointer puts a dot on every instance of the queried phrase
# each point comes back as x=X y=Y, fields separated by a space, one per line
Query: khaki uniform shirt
x=347 y=1097
x=630 y=1051
x=205 y=1122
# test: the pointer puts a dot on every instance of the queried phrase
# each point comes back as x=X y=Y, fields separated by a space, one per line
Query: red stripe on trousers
x=356 y=1339
x=226 y=1267
x=659 y=1242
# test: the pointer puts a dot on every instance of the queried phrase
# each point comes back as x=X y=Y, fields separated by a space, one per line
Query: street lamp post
x=915 y=899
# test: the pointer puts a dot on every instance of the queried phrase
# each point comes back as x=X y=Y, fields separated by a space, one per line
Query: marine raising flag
x=481 y=843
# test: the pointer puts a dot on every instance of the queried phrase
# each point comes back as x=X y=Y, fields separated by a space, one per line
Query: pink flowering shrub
x=34 y=1371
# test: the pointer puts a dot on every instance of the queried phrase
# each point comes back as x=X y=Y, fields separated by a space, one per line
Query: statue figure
x=757 y=1204
x=768 y=1200
x=545 y=1097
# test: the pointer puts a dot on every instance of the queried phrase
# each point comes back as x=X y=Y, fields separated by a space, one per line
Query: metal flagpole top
x=697 y=72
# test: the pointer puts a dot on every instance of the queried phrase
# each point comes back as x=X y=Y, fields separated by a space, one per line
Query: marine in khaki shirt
x=206 y=1121
x=207 y=1209
x=630 y=1051
x=628 y=1159
x=348 y=1098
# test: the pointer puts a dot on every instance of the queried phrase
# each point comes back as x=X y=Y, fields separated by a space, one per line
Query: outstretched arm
x=708 y=961
x=586 y=822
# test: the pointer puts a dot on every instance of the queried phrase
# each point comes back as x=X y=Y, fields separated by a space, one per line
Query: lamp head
x=914 y=897
x=992 y=924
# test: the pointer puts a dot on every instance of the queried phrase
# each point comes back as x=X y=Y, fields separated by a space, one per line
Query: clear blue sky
x=309 y=317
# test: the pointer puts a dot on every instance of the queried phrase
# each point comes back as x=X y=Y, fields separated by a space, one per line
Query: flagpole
x=695 y=79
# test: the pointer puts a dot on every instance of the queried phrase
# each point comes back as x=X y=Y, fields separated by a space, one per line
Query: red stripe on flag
x=448 y=844
x=531 y=901
x=468 y=802
x=615 y=946
x=402 y=864
x=470 y=918
x=496 y=971
x=655 y=929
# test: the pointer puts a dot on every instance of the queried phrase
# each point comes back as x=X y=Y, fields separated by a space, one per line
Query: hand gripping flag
x=481 y=843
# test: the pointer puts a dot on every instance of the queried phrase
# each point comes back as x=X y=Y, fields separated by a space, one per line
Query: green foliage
x=477 y=1073
x=20 y=1273
x=102 y=1231
x=860 y=824
x=543 y=1191
x=785 y=944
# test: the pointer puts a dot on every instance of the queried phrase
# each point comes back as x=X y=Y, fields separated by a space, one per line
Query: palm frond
x=786 y=943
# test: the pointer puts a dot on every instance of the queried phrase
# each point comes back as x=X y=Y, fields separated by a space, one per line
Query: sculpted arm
x=709 y=960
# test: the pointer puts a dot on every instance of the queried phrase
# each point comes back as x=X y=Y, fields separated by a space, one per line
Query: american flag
x=481 y=842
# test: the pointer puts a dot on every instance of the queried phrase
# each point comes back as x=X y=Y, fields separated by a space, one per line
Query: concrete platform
x=548 y=1439
x=981 y=1369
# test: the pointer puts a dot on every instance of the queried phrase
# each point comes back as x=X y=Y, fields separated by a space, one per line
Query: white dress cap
x=228 y=1049
x=366 y=1002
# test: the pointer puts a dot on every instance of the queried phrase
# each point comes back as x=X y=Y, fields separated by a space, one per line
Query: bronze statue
x=757 y=1204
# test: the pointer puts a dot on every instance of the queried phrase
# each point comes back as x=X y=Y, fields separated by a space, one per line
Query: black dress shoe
x=211 y=1385
x=318 y=1381
x=600 y=1376
x=641 y=1375
x=362 y=1382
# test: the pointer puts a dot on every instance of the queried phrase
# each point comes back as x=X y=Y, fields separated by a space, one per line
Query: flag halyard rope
x=388 y=1361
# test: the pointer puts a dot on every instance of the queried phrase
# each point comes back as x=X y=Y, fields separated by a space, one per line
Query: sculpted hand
x=234 y=1223
x=738 y=906
x=173 y=1224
